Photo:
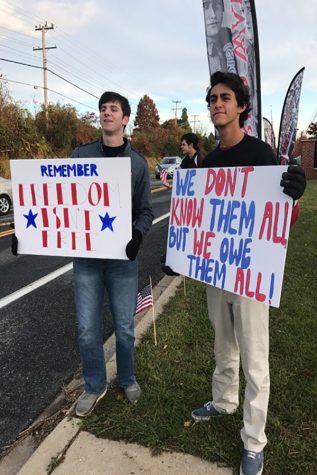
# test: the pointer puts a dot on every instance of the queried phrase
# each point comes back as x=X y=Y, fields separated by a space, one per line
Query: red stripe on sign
x=33 y=194
x=21 y=195
x=87 y=220
x=59 y=193
x=44 y=238
x=66 y=217
x=88 y=242
x=105 y=194
x=44 y=217
x=45 y=194
x=73 y=241
x=59 y=240
x=73 y=188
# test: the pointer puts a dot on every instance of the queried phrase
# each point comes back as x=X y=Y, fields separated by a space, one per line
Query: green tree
x=146 y=116
x=62 y=126
x=208 y=143
x=183 y=121
x=87 y=128
x=170 y=124
x=66 y=129
x=19 y=137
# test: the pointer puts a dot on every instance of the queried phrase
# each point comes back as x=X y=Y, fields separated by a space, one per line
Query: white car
x=5 y=196
x=169 y=164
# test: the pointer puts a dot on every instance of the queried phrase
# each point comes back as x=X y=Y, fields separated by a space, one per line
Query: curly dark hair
x=236 y=84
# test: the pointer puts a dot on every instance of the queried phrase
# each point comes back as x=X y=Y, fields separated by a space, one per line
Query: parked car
x=5 y=196
x=169 y=164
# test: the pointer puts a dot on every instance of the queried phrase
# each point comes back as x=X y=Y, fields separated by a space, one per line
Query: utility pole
x=43 y=29
x=176 y=109
x=194 y=121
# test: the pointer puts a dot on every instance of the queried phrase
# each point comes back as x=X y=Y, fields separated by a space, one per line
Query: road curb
x=64 y=434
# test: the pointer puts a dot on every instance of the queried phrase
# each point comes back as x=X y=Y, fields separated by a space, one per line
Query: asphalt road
x=38 y=351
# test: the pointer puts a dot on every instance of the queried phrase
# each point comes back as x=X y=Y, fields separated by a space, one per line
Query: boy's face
x=224 y=108
x=184 y=147
x=111 y=117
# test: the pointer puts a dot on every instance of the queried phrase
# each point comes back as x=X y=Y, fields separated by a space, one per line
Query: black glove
x=133 y=246
x=294 y=180
x=14 y=242
x=166 y=269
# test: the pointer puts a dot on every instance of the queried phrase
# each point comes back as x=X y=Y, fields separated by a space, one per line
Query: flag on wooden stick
x=144 y=299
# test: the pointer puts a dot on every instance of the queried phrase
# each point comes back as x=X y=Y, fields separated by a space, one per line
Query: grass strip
x=176 y=375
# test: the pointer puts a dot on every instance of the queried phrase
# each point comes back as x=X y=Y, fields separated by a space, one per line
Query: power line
x=35 y=86
x=56 y=62
x=20 y=53
x=88 y=54
x=52 y=72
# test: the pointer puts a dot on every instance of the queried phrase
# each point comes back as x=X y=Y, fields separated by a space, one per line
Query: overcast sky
x=150 y=47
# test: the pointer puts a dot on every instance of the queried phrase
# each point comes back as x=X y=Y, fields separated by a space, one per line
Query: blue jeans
x=91 y=278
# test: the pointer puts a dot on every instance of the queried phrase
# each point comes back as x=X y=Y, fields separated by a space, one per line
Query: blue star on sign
x=31 y=219
x=107 y=222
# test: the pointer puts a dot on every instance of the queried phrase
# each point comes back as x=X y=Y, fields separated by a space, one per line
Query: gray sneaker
x=87 y=403
x=133 y=392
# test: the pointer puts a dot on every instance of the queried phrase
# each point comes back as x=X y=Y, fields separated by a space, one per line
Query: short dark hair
x=191 y=138
x=236 y=84
x=110 y=96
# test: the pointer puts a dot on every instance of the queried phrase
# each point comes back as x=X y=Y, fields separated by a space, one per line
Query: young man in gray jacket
x=118 y=277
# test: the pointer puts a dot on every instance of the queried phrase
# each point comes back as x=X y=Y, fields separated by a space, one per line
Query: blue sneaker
x=205 y=412
x=251 y=463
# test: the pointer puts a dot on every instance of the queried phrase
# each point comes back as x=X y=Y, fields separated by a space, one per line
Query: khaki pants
x=241 y=329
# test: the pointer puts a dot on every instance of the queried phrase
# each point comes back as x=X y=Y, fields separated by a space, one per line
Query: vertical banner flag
x=229 y=228
x=73 y=207
x=232 y=46
x=289 y=117
x=269 y=136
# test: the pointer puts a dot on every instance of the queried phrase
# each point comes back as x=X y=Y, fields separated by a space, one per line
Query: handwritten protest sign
x=72 y=207
x=229 y=228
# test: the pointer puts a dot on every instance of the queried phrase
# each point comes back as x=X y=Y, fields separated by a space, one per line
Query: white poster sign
x=229 y=228
x=72 y=207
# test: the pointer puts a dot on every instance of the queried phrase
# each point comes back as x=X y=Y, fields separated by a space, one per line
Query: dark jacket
x=188 y=162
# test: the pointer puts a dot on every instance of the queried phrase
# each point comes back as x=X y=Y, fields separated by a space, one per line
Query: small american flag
x=163 y=177
x=144 y=299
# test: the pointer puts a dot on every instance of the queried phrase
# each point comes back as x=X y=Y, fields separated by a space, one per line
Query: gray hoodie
x=142 y=214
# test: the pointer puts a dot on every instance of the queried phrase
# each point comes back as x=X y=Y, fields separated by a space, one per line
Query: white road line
x=49 y=277
x=157 y=220
x=35 y=285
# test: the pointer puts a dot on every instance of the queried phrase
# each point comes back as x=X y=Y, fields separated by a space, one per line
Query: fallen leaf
x=187 y=424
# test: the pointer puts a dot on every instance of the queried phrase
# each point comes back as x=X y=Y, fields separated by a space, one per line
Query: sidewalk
x=76 y=452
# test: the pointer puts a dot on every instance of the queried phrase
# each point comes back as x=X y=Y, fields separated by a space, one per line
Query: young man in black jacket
x=241 y=325
x=190 y=148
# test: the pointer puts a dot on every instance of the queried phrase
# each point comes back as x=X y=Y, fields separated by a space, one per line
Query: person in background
x=190 y=148
x=241 y=325
x=192 y=159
